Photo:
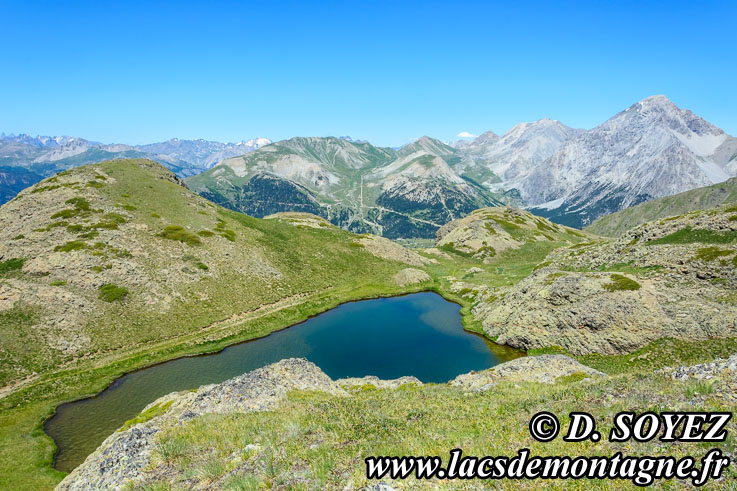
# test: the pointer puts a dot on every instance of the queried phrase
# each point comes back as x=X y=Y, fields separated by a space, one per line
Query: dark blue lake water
x=418 y=334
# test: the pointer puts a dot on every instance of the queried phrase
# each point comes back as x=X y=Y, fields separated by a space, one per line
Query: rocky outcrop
x=411 y=276
x=376 y=382
x=300 y=219
x=718 y=378
x=386 y=249
x=674 y=278
x=544 y=369
x=490 y=231
x=704 y=371
x=124 y=456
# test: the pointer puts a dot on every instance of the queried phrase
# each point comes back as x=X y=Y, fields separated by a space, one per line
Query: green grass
x=509 y=227
x=708 y=254
x=177 y=232
x=550 y=279
x=81 y=209
x=147 y=415
x=58 y=283
x=9 y=265
x=698 y=387
x=73 y=245
x=617 y=282
x=17 y=339
x=79 y=203
x=228 y=234
x=688 y=235
x=111 y=292
x=450 y=247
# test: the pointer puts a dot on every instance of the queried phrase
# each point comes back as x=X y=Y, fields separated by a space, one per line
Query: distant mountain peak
x=656 y=100
x=650 y=150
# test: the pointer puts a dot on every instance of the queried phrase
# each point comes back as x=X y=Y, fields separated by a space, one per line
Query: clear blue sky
x=137 y=72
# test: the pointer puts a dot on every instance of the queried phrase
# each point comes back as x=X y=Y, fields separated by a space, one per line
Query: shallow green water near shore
x=419 y=334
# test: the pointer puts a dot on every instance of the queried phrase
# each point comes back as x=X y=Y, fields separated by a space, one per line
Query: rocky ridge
x=672 y=278
x=544 y=369
x=489 y=231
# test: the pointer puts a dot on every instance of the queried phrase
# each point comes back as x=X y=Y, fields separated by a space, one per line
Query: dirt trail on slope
x=212 y=330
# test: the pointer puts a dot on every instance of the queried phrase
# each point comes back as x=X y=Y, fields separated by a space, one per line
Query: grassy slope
x=696 y=199
x=319 y=263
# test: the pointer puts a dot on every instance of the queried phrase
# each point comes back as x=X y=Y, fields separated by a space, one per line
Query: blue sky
x=384 y=71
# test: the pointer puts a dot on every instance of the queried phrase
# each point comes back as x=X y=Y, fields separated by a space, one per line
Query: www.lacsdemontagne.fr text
x=642 y=471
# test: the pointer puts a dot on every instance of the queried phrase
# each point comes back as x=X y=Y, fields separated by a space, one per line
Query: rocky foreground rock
x=544 y=369
x=125 y=457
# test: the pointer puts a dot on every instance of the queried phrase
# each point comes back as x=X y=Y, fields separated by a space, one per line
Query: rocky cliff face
x=673 y=278
x=650 y=150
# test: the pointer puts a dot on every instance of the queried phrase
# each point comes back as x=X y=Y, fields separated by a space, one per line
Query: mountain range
x=25 y=160
x=410 y=192
x=572 y=176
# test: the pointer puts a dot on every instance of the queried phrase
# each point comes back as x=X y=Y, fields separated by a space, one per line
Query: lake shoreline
x=220 y=349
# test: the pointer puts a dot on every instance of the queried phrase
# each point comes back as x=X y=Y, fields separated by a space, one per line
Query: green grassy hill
x=113 y=266
x=617 y=223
